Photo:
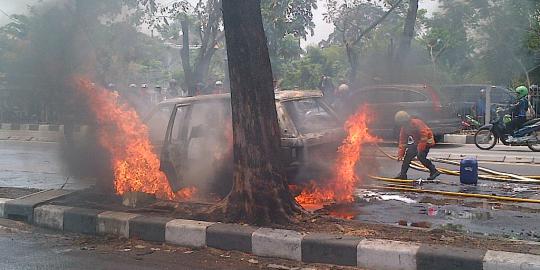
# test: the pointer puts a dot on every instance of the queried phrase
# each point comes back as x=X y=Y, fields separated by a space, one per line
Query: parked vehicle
x=528 y=135
x=419 y=100
x=198 y=140
x=463 y=97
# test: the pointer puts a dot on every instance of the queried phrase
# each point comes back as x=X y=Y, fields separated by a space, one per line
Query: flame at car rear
x=340 y=189
x=125 y=137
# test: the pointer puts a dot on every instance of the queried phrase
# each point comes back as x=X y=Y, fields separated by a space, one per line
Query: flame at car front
x=340 y=188
x=125 y=137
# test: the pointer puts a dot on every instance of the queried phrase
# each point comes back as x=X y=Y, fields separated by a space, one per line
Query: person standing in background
x=327 y=88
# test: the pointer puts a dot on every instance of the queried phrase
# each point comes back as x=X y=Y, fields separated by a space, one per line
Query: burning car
x=197 y=147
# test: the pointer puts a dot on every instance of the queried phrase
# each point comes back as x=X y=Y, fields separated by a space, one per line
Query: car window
x=453 y=94
x=157 y=123
x=411 y=96
x=180 y=119
x=470 y=94
x=500 y=95
x=209 y=130
x=390 y=95
x=382 y=95
x=309 y=116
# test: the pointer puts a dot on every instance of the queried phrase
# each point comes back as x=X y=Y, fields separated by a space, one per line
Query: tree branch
x=376 y=23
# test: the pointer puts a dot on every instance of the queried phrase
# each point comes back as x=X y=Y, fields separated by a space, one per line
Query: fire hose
x=453 y=194
x=503 y=177
x=495 y=175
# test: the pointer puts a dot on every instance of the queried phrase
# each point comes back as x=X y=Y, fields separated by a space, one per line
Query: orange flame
x=341 y=187
x=125 y=137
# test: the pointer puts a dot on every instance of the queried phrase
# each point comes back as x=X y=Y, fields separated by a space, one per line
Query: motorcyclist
x=415 y=140
x=519 y=109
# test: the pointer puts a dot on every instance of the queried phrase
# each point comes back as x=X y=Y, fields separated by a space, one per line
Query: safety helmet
x=343 y=88
x=522 y=91
x=219 y=83
x=402 y=117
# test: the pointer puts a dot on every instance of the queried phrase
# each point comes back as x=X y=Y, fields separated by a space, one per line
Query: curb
x=37 y=132
x=286 y=244
x=458 y=138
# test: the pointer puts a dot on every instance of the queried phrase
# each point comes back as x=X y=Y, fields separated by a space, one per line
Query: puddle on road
x=370 y=195
x=485 y=219
x=450 y=214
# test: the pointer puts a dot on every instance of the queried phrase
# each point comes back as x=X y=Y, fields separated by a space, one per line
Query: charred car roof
x=279 y=95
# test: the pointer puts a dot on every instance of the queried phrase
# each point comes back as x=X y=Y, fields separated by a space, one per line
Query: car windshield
x=157 y=122
x=309 y=116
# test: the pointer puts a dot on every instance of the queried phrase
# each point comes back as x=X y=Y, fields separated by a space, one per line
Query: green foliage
x=44 y=49
x=306 y=72
x=509 y=46
x=286 y=22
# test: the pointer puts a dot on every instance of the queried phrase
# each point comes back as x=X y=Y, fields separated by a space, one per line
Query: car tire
x=483 y=147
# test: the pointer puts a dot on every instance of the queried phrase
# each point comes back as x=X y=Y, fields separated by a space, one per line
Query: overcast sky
x=322 y=29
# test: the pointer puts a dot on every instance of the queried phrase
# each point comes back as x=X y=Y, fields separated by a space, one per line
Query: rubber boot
x=401 y=176
x=433 y=175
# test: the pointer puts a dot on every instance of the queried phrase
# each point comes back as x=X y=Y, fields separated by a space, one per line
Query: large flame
x=340 y=188
x=122 y=133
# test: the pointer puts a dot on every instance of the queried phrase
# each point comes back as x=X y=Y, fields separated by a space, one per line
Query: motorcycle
x=488 y=135
x=469 y=123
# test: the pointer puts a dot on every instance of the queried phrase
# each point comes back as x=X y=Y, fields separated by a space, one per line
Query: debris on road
x=135 y=199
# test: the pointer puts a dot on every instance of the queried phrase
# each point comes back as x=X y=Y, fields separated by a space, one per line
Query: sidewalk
x=311 y=247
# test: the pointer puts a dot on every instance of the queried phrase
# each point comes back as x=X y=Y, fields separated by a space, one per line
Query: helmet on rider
x=522 y=91
x=401 y=118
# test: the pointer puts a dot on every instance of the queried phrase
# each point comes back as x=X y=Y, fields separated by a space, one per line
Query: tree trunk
x=406 y=39
x=408 y=29
x=260 y=194
x=203 y=64
x=352 y=58
x=184 y=54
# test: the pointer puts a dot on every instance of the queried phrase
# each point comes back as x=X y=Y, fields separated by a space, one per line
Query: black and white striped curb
x=311 y=248
x=37 y=132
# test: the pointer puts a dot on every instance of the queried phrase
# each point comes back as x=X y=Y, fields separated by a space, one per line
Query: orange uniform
x=420 y=133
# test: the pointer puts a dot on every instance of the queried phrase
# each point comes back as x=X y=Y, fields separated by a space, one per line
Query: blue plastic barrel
x=468 y=171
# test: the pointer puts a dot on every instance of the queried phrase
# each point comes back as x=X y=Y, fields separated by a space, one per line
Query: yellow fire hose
x=456 y=194
x=400 y=184
x=495 y=175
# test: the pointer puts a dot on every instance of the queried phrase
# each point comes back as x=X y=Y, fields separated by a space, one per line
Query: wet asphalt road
x=471 y=215
x=35 y=165
x=38 y=165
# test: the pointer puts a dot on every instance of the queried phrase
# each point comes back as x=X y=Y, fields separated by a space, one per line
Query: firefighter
x=415 y=140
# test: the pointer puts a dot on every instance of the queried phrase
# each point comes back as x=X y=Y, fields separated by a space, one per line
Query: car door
x=383 y=103
x=173 y=153
x=157 y=121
